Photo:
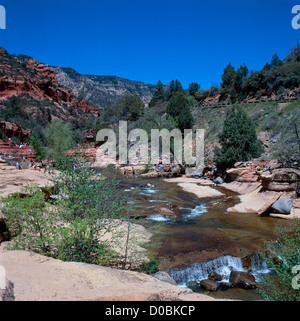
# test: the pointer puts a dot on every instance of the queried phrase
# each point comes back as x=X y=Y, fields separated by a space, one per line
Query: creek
x=199 y=236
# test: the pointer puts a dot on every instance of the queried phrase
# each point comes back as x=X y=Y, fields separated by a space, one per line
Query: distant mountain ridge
x=101 y=91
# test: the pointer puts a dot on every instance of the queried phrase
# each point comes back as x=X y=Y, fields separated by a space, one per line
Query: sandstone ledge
x=39 y=278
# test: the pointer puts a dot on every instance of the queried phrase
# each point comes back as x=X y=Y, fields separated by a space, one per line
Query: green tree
x=174 y=87
x=193 y=88
x=178 y=108
x=59 y=137
x=238 y=139
x=158 y=95
x=229 y=77
x=39 y=149
x=130 y=107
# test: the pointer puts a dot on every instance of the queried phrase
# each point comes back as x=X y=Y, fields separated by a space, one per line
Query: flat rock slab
x=255 y=202
x=39 y=278
x=200 y=190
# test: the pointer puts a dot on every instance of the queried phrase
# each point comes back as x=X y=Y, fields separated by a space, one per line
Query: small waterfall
x=200 y=271
x=223 y=266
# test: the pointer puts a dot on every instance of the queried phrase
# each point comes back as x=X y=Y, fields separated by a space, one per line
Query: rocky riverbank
x=263 y=187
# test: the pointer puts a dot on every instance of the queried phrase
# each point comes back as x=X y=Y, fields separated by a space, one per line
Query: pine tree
x=158 y=95
x=229 y=77
x=238 y=139
x=193 y=88
x=276 y=61
x=178 y=108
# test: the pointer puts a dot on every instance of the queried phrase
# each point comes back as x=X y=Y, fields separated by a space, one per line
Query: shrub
x=30 y=221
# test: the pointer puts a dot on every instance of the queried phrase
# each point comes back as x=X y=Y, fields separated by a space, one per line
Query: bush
x=31 y=221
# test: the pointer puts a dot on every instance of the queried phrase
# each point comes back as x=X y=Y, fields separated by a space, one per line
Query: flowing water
x=199 y=236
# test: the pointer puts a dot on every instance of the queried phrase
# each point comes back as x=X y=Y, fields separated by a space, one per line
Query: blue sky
x=148 y=40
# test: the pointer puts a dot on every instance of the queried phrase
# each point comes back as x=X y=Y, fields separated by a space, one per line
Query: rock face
x=282 y=179
x=102 y=91
x=14 y=130
x=261 y=184
x=39 y=278
x=25 y=75
x=250 y=172
x=37 y=87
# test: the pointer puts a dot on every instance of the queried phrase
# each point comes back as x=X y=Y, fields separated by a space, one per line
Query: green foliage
x=174 y=87
x=229 y=77
x=129 y=107
x=150 y=267
x=238 y=139
x=281 y=256
x=178 y=108
x=13 y=109
x=151 y=119
x=30 y=221
x=59 y=137
x=79 y=243
x=88 y=196
x=39 y=149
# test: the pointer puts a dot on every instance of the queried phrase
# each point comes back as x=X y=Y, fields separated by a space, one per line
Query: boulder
x=209 y=285
x=242 y=280
x=164 y=277
x=282 y=206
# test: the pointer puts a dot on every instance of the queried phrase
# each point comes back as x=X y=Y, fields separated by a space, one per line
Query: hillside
x=276 y=126
x=32 y=94
x=101 y=91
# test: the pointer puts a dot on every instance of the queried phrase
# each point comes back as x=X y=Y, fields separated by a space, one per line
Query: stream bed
x=198 y=235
